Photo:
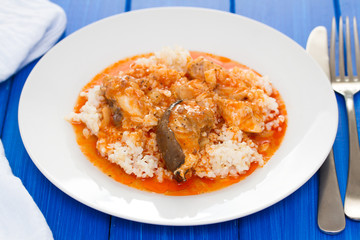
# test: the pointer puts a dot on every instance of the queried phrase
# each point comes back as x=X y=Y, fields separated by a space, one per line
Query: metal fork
x=348 y=85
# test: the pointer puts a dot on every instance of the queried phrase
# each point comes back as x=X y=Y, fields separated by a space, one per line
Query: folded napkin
x=28 y=28
x=20 y=218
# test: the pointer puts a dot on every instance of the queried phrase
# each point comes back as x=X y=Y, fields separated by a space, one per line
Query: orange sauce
x=194 y=185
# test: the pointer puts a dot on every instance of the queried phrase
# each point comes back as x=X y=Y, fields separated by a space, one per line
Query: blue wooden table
x=292 y=218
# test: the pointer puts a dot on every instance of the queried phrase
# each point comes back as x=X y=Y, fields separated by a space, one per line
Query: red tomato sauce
x=194 y=185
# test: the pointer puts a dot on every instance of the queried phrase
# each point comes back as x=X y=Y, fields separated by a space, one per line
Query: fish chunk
x=124 y=97
x=187 y=90
x=196 y=69
x=243 y=114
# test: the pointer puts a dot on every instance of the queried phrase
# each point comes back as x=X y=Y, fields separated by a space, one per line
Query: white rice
x=230 y=157
x=270 y=108
x=265 y=84
x=89 y=113
x=275 y=124
x=130 y=157
x=176 y=58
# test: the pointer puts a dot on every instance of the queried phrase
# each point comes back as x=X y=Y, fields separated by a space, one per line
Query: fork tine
x=348 y=51
x=357 y=49
x=332 y=51
x=341 y=51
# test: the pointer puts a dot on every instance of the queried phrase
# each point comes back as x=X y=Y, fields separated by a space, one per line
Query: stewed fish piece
x=243 y=114
x=186 y=90
x=179 y=134
x=124 y=97
x=196 y=69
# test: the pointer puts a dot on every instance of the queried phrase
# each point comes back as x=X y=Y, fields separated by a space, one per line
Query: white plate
x=54 y=84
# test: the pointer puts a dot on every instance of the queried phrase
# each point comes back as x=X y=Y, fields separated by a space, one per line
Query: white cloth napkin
x=20 y=218
x=28 y=28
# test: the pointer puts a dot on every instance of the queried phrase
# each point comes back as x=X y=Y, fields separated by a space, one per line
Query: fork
x=348 y=85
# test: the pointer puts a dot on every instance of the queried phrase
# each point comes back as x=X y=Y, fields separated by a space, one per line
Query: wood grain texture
x=4 y=97
x=349 y=8
x=295 y=19
x=214 y=4
x=119 y=230
x=292 y=218
x=84 y=12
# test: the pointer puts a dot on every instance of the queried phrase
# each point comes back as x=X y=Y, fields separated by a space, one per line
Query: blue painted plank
x=82 y=13
x=296 y=216
x=349 y=8
x=67 y=218
x=214 y=4
x=4 y=96
x=124 y=229
x=295 y=19
x=292 y=218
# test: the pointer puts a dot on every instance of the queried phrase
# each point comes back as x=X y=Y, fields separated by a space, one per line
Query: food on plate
x=179 y=122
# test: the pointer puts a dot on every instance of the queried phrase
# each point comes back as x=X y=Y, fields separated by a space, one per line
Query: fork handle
x=352 y=197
